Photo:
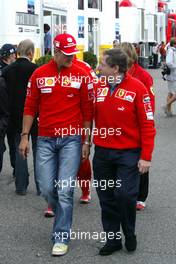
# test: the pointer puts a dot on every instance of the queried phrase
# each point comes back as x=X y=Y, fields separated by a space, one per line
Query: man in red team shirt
x=84 y=172
x=62 y=95
x=123 y=109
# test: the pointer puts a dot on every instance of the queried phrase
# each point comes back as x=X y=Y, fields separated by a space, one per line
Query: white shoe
x=59 y=249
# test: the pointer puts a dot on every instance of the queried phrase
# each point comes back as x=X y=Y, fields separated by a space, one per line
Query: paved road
x=24 y=232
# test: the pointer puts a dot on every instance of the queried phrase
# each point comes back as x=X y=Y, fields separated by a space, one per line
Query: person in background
x=137 y=48
x=122 y=107
x=4 y=117
x=155 y=51
x=47 y=39
x=17 y=76
x=84 y=173
x=171 y=78
x=136 y=71
x=8 y=56
x=162 y=50
x=64 y=105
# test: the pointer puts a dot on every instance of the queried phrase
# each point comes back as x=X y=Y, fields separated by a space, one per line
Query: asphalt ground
x=25 y=233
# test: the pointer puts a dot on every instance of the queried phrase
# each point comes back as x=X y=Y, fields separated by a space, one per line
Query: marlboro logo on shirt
x=45 y=82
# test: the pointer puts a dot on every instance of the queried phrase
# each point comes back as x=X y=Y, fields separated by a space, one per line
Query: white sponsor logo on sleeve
x=150 y=116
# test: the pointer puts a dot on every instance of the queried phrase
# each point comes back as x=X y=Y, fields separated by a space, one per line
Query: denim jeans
x=21 y=166
x=57 y=161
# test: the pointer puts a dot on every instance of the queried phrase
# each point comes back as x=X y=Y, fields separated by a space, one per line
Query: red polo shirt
x=125 y=117
x=61 y=98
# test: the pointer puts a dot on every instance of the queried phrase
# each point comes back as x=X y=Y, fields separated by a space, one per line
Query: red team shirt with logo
x=127 y=117
x=63 y=99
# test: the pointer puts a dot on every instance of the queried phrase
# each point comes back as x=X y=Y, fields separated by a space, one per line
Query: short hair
x=25 y=47
x=117 y=57
x=172 y=42
x=46 y=27
x=130 y=51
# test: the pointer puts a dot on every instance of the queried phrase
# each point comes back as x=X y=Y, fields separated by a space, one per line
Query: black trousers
x=2 y=150
x=155 y=60
x=143 y=187
x=12 y=147
x=118 y=203
x=21 y=165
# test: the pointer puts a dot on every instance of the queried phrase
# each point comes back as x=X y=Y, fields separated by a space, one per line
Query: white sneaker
x=59 y=249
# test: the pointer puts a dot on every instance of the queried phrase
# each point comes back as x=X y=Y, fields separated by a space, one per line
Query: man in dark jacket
x=4 y=116
x=16 y=76
x=7 y=56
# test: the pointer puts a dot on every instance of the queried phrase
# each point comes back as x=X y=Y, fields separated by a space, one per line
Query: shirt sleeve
x=149 y=85
x=32 y=97
x=146 y=122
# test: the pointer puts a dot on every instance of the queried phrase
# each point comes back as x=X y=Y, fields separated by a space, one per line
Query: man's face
x=104 y=68
x=63 y=60
x=12 y=57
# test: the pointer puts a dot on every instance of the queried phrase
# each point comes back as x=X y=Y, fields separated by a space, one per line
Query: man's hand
x=85 y=151
x=24 y=147
x=144 y=166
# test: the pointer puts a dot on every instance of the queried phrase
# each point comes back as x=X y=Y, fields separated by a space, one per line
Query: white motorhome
x=21 y=19
x=94 y=23
x=140 y=22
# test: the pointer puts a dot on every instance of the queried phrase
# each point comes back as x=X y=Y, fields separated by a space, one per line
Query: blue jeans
x=58 y=161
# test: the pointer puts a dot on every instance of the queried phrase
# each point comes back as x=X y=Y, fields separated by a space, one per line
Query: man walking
x=7 y=56
x=16 y=76
x=64 y=103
